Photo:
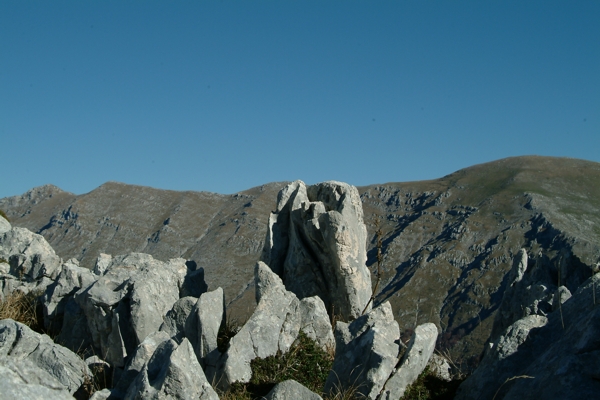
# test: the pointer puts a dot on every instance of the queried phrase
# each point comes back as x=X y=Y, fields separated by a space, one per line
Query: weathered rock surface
x=316 y=242
x=315 y=322
x=70 y=279
x=22 y=379
x=366 y=353
x=419 y=351
x=139 y=358
x=530 y=292
x=440 y=367
x=202 y=326
x=291 y=389
x=4 y=225
x=553 y=357
x=273 y=327
x=129 y=302
x=176 y=317
x=19 y=342
x=172 y=372
x=32 y=262
x=453 y=238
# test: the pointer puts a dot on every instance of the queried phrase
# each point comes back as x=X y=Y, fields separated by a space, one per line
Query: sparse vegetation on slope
x=306 y=363
x=23 y=308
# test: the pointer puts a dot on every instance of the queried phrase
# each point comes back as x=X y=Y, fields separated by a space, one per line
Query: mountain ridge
x=448 y=243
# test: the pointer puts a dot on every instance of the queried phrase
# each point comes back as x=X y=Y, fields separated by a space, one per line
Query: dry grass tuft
x=23 y=308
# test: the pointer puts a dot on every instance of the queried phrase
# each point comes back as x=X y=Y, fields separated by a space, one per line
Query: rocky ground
x=448 y=244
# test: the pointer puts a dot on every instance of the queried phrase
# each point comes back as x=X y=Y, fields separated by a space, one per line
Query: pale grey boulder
x=175 y=319
x=102 y=263
x=31 y=264
x=30 y=256
x=155 y=290
x=562 y=294
x=273 y=327
x=139 y=358
x=70 y=279
x=19 y=342
x=4 y=225
x=316 y=242
x=203 y=324
x=104 y=394
x=440 y=367
x=315 y=322
x=129 y=301
x=291 y=389
x=22 y=379
x=172 y=372
x=418 y=352
x=366 y=353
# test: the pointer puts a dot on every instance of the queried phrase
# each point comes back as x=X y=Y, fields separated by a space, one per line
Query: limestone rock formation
x=175 y=319
x=54 y=301
x=139 y=358
x=274 y=326
x=419 y=351
x=366 y=353
x=316 y=242
x=552 y=356
x=129 y=302
x=172 y=372
x=291 y=389
x=32 y=262
x=22 y=379
x=5 y=226
x=19 y=342
x=202 y=327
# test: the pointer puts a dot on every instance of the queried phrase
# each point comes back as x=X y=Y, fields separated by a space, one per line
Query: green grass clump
x=306 y=363
x=3 y=215
x=430 y=387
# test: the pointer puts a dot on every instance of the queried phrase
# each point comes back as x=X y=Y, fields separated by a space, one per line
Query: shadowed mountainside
x=447 y=243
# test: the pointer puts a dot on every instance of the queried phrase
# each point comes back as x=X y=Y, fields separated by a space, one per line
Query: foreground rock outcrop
x=550 y=355
x=316 y=242
x=154 y=325
x=18 y=342
x=273 y=327
x=27 y=261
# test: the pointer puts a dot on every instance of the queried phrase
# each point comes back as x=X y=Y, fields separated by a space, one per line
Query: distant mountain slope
x=448 y=243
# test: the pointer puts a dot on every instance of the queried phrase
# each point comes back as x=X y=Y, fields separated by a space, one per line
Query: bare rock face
x=31 y=261
x=420 y=349
x=22 y=379
x=58 y=294
x=173 y=372
x=203 y=324
x=316 y=242
x=175 y=320
x=4 y=225
x=19 y=342
x=129 y=302
x=553 y=356
x=366 y=353
x=291 y=389
x=140 y=357
x=274 y=326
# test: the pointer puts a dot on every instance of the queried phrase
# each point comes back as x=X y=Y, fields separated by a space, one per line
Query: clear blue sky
x=226 y=95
